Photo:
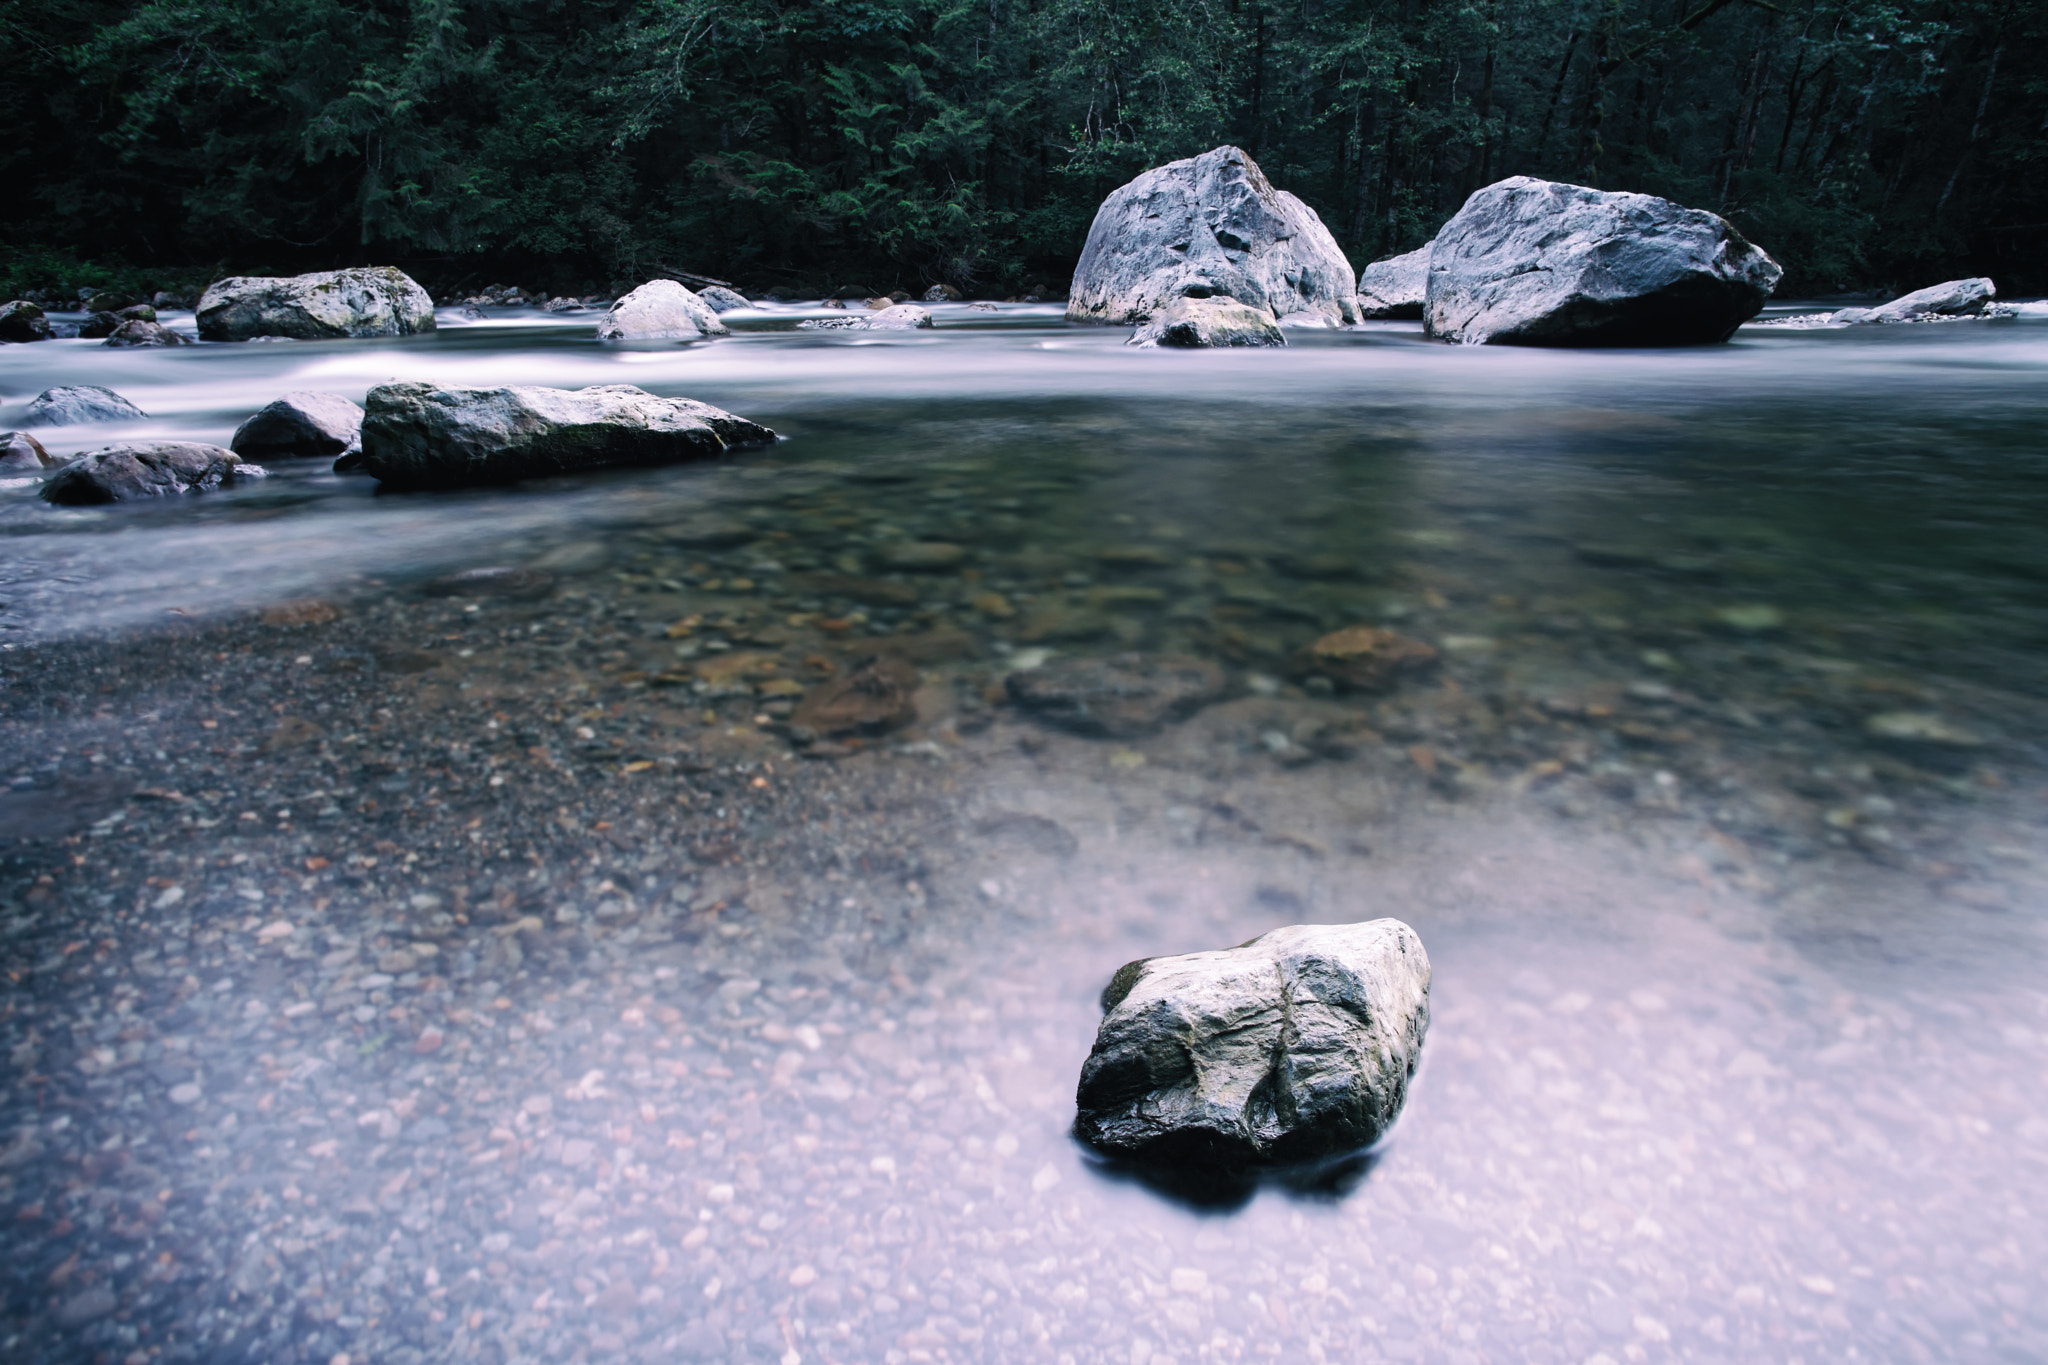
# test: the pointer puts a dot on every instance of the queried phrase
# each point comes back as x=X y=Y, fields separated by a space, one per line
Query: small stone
x=1065 y=622
x=924 y=555
x=88 y=1305
x=1365 y=658
x=992 y=604
x=1750 y=618
x=185 y=1092
x=1919 y=727
x=1128 y=695
x=876 y=696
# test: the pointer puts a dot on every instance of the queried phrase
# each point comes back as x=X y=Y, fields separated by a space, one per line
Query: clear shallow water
x=1739 y=1033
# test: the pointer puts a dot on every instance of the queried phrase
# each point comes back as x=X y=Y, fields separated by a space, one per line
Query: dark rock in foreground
x=1130 y=694
x=1397 y=287
x=1536 y=263
x=1954 y=299
x=147 y=469
x=1200 y=323
x=422 y=436
x=21 y=453
x=73 y=404
x=369 y=301
x=299 y=424
x=21 y=320
x=1210 y=226
x=1295 y=1047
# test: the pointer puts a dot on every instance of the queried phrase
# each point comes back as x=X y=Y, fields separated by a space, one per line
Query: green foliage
x=969 y=141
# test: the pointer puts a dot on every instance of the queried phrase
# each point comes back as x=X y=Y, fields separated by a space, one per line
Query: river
x=426 y=942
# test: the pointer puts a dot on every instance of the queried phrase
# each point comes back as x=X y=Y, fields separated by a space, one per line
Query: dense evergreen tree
x=901 y=142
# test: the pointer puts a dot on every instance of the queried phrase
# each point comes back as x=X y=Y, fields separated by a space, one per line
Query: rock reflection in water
x=459 y=954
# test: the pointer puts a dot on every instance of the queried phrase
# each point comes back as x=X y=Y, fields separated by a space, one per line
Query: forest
x=578 y=145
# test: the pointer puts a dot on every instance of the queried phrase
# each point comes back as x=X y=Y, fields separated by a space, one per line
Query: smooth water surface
x=483 y=973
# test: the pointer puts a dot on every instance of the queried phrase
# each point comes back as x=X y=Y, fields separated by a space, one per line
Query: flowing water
x=411 y=963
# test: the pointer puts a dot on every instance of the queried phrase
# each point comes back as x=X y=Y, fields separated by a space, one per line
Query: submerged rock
x=723 y=300
x=146 y=469
x=659 y=310
x=1397 y=287
x=1297 y=1046
x=423 y=436
x=1955 y=299
x=141 y=332
x=1536 y=263
x=21 y=453
x=1364 y=658
x=73 y=404
x=368 y=301
x=21 y=320
x=1127 y=695
x=1199 y=323
x=875 y=696
x=1206 y=227
x=299 y=424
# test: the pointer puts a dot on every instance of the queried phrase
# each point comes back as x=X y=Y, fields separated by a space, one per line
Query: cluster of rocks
x=411 y=436
x=512 y=296
x=1205 y=252
x=887 y=317
x=1951 y=301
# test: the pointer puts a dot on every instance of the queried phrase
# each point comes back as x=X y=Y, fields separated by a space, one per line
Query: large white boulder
x=1295 y=1047
x=1205 y=227
x=1537 y=263
x=425 y=436
x=368 y=301
x=660 y=310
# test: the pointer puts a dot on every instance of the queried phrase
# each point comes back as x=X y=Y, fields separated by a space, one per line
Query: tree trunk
x=1976 y=127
